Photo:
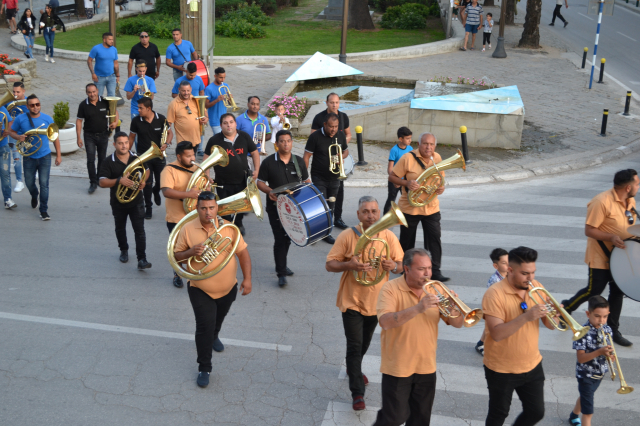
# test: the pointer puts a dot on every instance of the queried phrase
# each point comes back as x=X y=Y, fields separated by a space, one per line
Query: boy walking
x=591 y=365
x=486 y=34
x=402 y=147
x=500 y=259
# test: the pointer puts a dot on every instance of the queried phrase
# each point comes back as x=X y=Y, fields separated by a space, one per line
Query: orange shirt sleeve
x=387 y=301
x=339 y=250
x=171 y=113
x=242 y=245
x=596 y=213
x=493 y=305
x=167 y=178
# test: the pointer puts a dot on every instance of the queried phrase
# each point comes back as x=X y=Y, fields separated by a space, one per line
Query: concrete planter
x=68 y=140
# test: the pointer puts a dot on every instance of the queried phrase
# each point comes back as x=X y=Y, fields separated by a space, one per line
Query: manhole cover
x=265 y=66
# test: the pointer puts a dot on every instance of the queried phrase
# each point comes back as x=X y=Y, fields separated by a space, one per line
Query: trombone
x=608 y=341
x=447 y=302
x=553 y=308
x=336 y=162
x=228 y=100
x=143 y=90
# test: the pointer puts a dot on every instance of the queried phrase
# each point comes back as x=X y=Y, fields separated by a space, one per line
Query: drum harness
x=181 y=169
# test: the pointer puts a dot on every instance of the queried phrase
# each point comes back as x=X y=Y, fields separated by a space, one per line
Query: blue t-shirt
x=196 y=85
x=21 y=125
x=215 y=112
x=128 y=87
x=3 y=110
x=244 y=123
x=397 y=152
x=473 y=14
x=178 y=54
x=104 y=58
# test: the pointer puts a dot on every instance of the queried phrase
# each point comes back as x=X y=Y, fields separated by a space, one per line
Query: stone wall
x=25 y=71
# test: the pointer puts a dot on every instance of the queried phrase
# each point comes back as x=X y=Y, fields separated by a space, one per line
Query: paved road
x=88 y=340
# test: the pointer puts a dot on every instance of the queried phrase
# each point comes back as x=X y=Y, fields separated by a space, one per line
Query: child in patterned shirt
x=500 y=259
x=591 y=365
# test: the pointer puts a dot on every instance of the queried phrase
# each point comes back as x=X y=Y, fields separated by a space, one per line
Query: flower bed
x=294 y=107
x=4 y=61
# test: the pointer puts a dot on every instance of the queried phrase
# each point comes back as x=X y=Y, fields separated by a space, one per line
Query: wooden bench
x=67 y=9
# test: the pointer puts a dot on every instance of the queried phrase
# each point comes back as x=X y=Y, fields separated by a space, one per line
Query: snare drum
x=202 y=71
x=625 y=268
x=304 y=213
x=348 y=164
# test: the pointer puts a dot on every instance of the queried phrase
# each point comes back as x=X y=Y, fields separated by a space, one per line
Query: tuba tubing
x=23 y=147
x=199 y=179
x=446 y=296
x=137 y=170
x=433 y=172
x=245 y=201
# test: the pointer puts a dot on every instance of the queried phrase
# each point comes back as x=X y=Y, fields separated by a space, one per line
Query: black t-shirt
x=113 y=168
x=94 y=116
x=236 y=171
x=318 y=145
x=149 y=54
x=320 y=118
x=276 y=173
x=148 y=132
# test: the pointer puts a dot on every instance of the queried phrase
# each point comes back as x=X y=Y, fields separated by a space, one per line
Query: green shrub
x=383 y=5
x=61 y=114
x=252 y=14
x=240 y=28
x=410 y=16
x=223 y=6
x=168 y=7
x=158 y=26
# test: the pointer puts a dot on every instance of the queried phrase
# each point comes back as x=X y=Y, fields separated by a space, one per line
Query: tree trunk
x=531 y=33
x=488 y=3
x=510 y=12
x=80 y=7
x=359 y=17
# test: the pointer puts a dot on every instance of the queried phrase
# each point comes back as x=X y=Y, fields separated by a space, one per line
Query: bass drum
x=349 y=164
x=625 y=268
x=203 y=71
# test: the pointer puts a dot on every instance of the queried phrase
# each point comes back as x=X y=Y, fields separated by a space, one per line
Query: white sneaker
x=52 y=61
x=46 y=57
x=9 y=204
x=489 y=46
x=19 y=187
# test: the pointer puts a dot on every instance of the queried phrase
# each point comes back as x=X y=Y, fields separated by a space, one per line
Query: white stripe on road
x=544 y=270
x=624 y=35
x=513 y=218
x=498 y=240
x=529 y=199
x=139 y=331
x=589 y=18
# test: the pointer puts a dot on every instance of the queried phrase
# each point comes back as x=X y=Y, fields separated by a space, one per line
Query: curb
x=631 y=5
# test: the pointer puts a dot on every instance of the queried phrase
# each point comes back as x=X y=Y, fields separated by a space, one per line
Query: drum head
x=304 y=215
x=634 y=230
x=625 y=268
x=349 y=163
x=287 y=187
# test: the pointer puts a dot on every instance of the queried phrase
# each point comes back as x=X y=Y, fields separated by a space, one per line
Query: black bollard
x=361 y=161
x=627 y=103
x=584 y=57
x=603 y=129
x=465 y=147
x=602 y=61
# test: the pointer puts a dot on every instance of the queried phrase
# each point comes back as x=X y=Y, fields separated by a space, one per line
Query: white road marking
x=589 y=18
x=634 y=82
x=139 y=331
x=513 y=218
x=624 y=35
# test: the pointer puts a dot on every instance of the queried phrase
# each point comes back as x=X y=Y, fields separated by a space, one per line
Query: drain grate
x=265 y=66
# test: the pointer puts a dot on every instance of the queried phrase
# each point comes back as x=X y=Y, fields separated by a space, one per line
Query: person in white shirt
x=556 y=12
x=278 y=122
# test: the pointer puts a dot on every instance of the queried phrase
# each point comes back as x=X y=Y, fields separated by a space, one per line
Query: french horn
x=431 y=179
x=136 y=171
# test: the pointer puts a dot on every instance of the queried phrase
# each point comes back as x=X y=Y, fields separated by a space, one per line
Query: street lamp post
x=500 y=52
x=112 y=19
x=345 y=23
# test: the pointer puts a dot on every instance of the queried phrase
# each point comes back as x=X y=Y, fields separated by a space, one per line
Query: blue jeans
x=109 y=82
x=177 y=74
x=5 y=171
x=587 y=388
x=216 y=129
x=29 y=40
x=17 y=163
x=41 y=165
x=48 y=39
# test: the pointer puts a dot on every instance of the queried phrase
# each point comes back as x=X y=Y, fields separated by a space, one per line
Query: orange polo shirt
x=607 y=213
x=220 y=284
x=178 y=180
x=352 y=295
x=408 y=167
x=411 y=348
x=519 y=352
x=186 y=126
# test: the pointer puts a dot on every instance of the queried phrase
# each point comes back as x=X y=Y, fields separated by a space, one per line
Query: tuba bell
x=201 y=109
x=336 y=162
x=199 y=179
x=113 y=103
x=366 y=250
x=33 y=142
x=143 y=89
x=7 y=97
x=135 y=171
x=448 y=301
x=244 y=201
x=431 y=179
x=554 y=308
x=228 y=100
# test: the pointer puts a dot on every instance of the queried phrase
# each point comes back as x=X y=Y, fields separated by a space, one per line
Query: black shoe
x=551 y=24
x=147 y=213
x=92 y=188
x=45 y=216
x=480 y=347
x=242 y=230
x=27 y=55
x=620 y=340
x=288 y=272
x=203 y=379
x=156 y=198
x=177 y=281
x=143 y=264
x=282 y=281
x=329 y=239
x=124 y=256
x=34 y=202
x=440 y=278
x=339 y=223
x=217 y=345
x=566 y=23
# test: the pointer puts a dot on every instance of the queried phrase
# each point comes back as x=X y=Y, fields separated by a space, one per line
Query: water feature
x=364 y=92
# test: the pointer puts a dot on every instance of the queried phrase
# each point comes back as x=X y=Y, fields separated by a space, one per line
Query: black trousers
x=170 y=226
x=486 y=38
x=229 y=190
x=95 y=143
x=358 y=329
x=530 y=389
x=407 y=399
x=432 y=232
x=598 y=280
x=329 y=188
x=136 y=214
x=392 y=194
x=155 y=168
x=339 y=200
x=556 y=12
x=209 y=315
x=281 y=243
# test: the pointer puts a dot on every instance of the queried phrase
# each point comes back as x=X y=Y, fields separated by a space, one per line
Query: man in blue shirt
x=5 y=159
x=473 y=14
x=18 y=94
x=197 y=85
x=247 y=122
x=40 y=161
x=402 y=147
x=106 y=72
x=179 y=53
x=133 y=89
x=215 y=102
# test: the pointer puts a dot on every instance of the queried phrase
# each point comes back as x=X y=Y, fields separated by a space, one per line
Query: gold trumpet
x=259 y=136
x=553 y=308
x=201 y=109
x=143 y=89
x=336 y=162
x=245 y=201
x=366 y=250
x=33 y=141
x=13 y=107
x=431 y=179
x=113 y=103
x=135 y=172
x=448 y=302
x=228 y=100
x=199 y=178
x=608 y=341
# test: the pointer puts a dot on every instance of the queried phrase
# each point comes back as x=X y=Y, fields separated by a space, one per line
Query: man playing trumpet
x=135 y=87
x=356 y=301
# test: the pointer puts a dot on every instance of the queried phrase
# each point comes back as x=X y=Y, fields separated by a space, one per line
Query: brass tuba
x=553 y=308
x=13 y=107
x=201 y=109
x=608 y=341
x=113 y=103
x=336 y=166
x=143 y=90
x=448 y=301
x=199 y=179
x=228 y=100
x=7 y=97
x=32 y=140
x=366 y=250
x=431 y=179
x=135 y=171
x=244 y=201
x=4 y=121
